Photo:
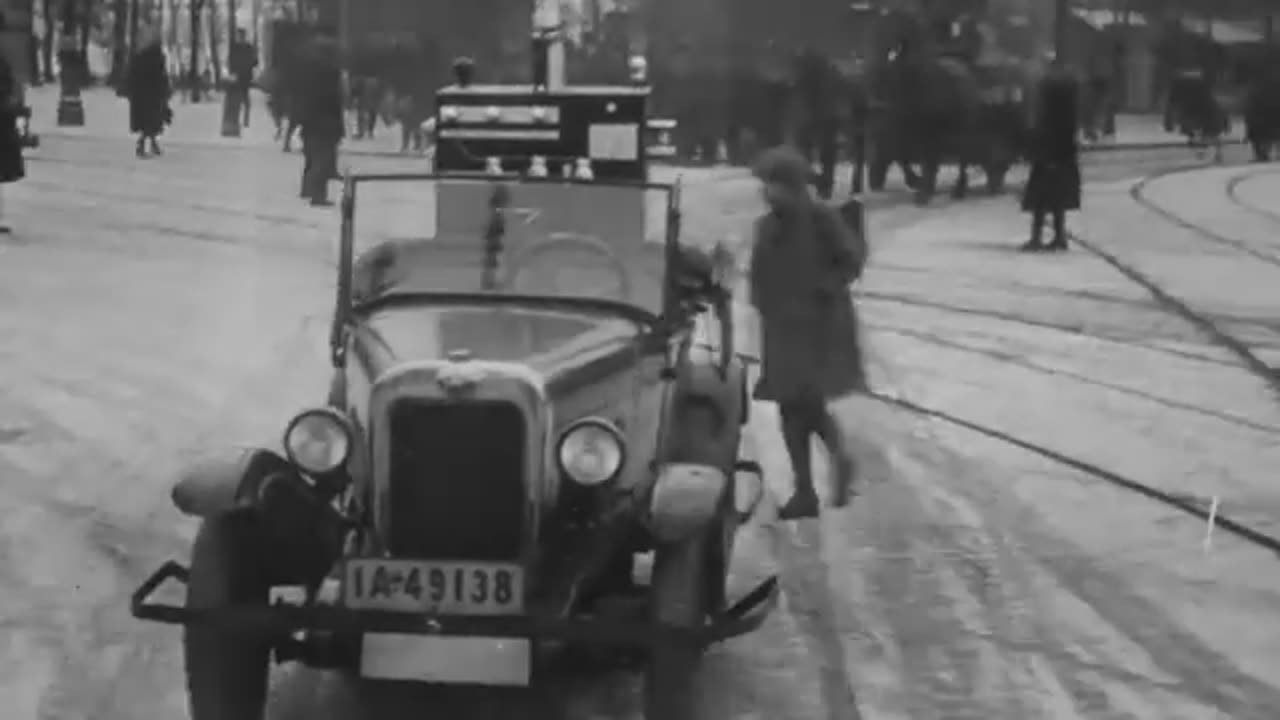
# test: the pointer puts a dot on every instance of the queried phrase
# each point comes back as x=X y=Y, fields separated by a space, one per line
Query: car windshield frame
x=349 y=308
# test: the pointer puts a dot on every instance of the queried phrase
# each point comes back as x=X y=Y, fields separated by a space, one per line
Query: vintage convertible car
x=534 y=383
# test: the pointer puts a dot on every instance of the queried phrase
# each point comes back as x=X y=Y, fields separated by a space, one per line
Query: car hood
x=550 y=342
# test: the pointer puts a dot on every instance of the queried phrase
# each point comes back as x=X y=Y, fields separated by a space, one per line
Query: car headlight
x=591 y=451
x=318 y=441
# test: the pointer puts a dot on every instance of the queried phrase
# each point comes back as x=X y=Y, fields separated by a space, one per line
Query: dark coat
x=801 y=266
x=244 y=61
x=321 y=110
x=1054 y=183
x=1262 y=107
x=149 y=92
x=13 y=166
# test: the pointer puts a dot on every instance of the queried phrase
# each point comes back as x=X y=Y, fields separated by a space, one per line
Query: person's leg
x=1059 y=230
x=798 y=427
x=1037 y=231
x=843 y=465
x=154 y=142
x=308 y=160
x=5 y=228
x=323 y=166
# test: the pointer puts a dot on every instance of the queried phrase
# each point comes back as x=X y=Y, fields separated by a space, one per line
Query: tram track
x=1233 y=194
x=1202 y=509
x=1020 y=319
x=1168 y=300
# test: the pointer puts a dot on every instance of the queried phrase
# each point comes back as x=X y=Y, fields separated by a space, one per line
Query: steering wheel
x=548 y=267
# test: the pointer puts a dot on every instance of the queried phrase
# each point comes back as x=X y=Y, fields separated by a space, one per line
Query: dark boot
x=844 y=468
x=1059 y=243
x=155 y=146
x=1036 y=243
x=308 y=161
x=798 y=428
x=141 y=149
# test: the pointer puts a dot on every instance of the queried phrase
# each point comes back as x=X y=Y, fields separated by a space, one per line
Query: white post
x=547 y=20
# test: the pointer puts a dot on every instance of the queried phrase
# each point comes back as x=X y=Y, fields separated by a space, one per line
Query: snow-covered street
x=157 y=308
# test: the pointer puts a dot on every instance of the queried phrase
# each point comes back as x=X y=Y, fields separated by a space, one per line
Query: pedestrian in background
x=805 y=255
x=1053 y=188
x=243 y=63
x=322 y=117
x=149 y=93
x=13 y=166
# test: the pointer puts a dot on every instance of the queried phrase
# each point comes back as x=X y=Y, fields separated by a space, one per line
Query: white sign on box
x=614 y=141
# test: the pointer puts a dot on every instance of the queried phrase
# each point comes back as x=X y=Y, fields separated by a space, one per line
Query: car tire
x=227 y=669
x=678 y=596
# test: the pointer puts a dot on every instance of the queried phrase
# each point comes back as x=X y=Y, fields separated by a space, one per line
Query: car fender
x=708 y=413
x=216 y=485
x=686 y=498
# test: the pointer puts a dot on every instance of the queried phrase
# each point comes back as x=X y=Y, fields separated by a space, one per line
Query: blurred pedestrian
x=1053 y=187
x=805 y=256
x=243 y=63
x=322 y=117
x=13 y=166
x=149 y=93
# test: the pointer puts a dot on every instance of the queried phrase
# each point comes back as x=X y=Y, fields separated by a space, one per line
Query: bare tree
x=215 y=41
x=119 y=41
x=193 y=69
x=47 y=39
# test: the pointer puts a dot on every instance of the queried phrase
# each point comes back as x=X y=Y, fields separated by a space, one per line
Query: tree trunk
x=214 y=40
x=193 y=69
x=46 y=40
x=33 y=59
x=86 y=25
x=231 y=30
x=120 y=47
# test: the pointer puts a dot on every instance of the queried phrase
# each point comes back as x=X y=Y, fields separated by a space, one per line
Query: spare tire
x=227 y=668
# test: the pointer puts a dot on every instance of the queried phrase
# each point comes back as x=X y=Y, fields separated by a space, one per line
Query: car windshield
x=507 y=236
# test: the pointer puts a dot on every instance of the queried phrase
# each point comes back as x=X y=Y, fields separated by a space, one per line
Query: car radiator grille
x=457 y=480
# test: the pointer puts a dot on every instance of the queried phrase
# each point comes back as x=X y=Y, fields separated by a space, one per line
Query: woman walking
x=804 y=258
x=13 y=166
x=149 y=93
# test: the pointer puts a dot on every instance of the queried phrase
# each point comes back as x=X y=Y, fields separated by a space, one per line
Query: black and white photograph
x=640 y=359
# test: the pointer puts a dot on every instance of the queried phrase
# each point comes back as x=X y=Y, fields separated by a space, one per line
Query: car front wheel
x=227 y=668
x=679 y=597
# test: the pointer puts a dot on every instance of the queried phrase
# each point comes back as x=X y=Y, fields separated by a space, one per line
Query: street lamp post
x=71 y=69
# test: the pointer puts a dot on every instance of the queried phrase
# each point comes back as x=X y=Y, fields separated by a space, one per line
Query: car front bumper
x=743 y=617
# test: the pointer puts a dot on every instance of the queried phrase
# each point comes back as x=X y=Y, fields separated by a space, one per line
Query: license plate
x=447 y=588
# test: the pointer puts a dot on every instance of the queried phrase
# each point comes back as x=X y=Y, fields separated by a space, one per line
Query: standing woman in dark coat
x=1054 y=186
x=804 y=258
x=322 y=117
x=13 y=166
x=149 y=94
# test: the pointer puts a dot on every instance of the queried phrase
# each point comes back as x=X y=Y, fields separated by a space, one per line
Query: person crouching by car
x=804 y=257
x=13 y=166
x=322 y=118
x=149 y=94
